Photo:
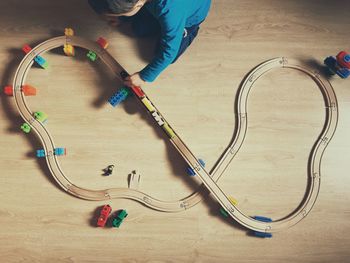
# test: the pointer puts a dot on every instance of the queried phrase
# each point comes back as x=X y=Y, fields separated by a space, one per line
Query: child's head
x=117 y=7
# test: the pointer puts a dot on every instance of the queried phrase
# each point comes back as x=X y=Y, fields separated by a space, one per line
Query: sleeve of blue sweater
x=172 y=28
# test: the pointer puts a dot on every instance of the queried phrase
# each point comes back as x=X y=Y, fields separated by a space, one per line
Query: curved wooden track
x=209 y=179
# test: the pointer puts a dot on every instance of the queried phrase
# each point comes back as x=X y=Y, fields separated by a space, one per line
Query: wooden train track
x=208 y=179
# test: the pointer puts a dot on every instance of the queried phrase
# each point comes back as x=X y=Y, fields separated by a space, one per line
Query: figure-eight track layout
x=209 y=179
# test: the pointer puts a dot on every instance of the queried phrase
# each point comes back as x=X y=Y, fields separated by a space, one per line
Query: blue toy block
x=331 y=63
x=262 y=218
x=119 y=96
x=40 y=153
x=41 y=62
x=191 y=172
x=60 y=151
x=262 y=234
x=343 y=73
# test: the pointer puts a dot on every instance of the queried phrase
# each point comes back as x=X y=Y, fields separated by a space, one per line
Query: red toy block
x=106 y=210
x=28 y=90
x=26 y=48
x=343 y=59
x=8 y=90
x=138 y=91
x=102 y=42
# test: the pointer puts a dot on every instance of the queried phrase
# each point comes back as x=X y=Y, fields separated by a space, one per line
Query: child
x=177 y=21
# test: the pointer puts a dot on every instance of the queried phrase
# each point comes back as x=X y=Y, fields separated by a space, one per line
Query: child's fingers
x=128 y=83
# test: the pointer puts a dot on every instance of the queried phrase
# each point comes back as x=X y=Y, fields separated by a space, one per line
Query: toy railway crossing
x=209 y=179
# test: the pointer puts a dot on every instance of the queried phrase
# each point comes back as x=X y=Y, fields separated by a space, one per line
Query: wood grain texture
x=41 y=223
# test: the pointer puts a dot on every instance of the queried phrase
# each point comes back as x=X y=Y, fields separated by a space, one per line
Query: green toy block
x=223 y=212
x=45 y=65
x=25 y=127
x=40 y=116
x=92 y=55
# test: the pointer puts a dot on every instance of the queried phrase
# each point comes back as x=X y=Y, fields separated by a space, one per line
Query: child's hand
x=134 y=80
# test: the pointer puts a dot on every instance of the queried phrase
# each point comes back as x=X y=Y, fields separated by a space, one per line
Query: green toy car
x=119 y=218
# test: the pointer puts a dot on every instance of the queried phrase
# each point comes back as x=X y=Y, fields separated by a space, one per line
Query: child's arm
x=172 y=28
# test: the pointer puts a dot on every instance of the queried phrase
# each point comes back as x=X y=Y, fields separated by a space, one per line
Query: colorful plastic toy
x=26 y=48
x=343 y=59
x=262 y=234
x=68 y=31
x=40 y=153
x=92 y=56
x=26 y=89
x=119 y=218
x=60 y=151
x=191 y=172
x=40 y=116
x=102 y=42
x=105 y=211
x=41 y=62
x=38 y=59
x=109 y=170
x=67 y=48
x=339 y=65
x=119 y=96
x=223 y=212
x=25 y=127
x=8 y=90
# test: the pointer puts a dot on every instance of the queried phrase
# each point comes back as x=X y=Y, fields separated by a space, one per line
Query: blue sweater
x=173 y=17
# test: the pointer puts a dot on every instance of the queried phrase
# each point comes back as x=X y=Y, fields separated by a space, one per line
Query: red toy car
x=106 y=210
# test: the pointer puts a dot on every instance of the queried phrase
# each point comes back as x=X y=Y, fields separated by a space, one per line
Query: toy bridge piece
x=38 y=59
x=68 y=49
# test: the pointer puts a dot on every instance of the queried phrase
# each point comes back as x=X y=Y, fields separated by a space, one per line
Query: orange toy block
x=28 y=90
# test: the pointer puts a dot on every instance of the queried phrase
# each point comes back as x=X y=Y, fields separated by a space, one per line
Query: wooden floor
x=41 y=223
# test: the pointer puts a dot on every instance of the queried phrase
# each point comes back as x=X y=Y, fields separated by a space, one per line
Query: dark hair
x=121 y=6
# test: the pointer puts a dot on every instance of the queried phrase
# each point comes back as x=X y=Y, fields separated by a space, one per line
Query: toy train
x=339 y=64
